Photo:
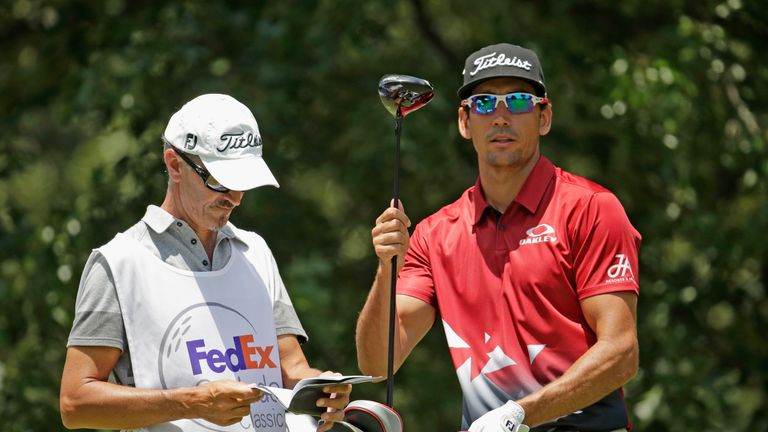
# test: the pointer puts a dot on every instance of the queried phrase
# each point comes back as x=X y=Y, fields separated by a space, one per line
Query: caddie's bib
x=187 y=328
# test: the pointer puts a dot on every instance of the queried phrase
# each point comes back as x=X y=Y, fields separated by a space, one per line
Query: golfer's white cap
x=225 y=135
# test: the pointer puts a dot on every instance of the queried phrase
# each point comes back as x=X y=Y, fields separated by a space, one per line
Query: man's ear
x=464 y=123
x=172 y=164
x=545 y=119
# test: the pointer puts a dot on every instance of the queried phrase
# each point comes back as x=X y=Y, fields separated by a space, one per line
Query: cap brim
x=466 y=90
x=240 y=174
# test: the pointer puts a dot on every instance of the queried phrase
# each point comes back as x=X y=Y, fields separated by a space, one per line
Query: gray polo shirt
x=98 y=318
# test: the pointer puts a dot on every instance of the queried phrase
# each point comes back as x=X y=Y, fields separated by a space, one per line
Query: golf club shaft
x=393 y=282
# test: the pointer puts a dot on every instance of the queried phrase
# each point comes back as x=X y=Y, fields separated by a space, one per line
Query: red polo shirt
x=508 y=287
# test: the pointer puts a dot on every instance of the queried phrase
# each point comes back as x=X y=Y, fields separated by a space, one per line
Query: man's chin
x=505 y=159
x=220 y=223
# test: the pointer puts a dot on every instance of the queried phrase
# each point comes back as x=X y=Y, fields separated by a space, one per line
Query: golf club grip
x=391 y=350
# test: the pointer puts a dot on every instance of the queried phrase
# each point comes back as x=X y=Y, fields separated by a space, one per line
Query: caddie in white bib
x=186 y=328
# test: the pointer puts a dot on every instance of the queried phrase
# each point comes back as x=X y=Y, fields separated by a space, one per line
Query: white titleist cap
x=224 y=134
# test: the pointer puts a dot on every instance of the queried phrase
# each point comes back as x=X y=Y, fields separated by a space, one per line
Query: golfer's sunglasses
x=210 y=182
x=517 y=103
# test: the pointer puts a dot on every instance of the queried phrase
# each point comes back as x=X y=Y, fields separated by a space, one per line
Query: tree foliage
x=663 y=102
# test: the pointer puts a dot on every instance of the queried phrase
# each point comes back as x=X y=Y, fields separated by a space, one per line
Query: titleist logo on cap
x=492 y=60
x=238 y=140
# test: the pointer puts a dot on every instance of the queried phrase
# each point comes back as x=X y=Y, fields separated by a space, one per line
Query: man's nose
x=235 y=196
x=502 y=116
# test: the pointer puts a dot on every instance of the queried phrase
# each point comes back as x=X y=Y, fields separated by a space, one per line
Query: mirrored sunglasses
x=209 y=181
x=517 y=103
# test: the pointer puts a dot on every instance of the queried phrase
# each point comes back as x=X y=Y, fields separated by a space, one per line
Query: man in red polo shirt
x=533 y=271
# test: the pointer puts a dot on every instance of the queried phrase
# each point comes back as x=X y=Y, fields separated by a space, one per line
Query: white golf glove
x=506 y=418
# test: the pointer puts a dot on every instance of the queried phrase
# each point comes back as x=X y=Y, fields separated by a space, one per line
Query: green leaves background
x=663 y=102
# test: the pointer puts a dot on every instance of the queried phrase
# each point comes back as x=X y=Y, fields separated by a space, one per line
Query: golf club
x=400 y=94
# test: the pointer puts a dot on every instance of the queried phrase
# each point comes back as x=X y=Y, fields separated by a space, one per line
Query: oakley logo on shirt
x=542 y=233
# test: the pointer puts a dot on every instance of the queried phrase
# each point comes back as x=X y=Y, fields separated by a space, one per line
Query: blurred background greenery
x=663 y=102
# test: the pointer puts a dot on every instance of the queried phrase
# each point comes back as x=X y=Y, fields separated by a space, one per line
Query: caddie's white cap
x=225 y=135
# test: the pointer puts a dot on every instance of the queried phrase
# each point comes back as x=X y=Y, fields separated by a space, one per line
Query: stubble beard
x=222 y=221
x=504 y=159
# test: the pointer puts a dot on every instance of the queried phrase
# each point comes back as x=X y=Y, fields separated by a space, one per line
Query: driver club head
x=404 y=93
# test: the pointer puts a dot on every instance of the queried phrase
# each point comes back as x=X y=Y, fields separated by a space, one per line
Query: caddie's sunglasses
x=517 y=103
x=210 y=182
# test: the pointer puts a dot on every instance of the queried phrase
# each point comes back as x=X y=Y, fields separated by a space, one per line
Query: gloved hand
x=506 y=418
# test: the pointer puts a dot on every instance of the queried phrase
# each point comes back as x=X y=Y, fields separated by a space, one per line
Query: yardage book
x=302 y=398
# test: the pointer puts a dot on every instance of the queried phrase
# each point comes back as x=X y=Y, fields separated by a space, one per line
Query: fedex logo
x=235 y=359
